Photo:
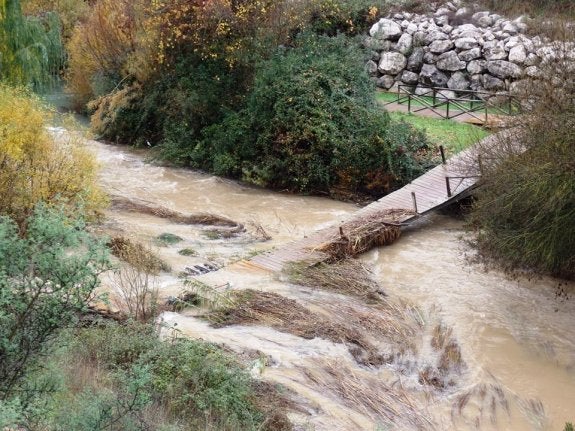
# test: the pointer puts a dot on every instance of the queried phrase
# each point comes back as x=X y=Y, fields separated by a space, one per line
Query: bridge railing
x=477 y=104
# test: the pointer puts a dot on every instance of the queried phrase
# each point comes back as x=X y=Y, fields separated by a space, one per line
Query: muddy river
x=516 y=337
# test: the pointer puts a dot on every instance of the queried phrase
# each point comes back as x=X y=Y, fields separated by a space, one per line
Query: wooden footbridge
x=449 y=182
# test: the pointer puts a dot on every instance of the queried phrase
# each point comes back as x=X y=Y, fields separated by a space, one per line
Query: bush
x=47 y=274
x=37 y=168
x=525 y=212
x=124 y=377
x=311 y=123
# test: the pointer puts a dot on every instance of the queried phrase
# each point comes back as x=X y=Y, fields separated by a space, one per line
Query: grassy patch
x=188 y=252
x=454 y=136
x=166 y=239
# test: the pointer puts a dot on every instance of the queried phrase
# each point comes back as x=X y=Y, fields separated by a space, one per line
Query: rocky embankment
x=458 y=48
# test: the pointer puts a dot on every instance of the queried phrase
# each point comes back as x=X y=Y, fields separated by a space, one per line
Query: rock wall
x=455 y=48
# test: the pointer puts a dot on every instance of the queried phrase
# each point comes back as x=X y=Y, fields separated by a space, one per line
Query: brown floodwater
x=517 y=336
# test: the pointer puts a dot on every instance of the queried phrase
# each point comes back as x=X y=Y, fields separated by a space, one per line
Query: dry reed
x=370 y=395
x=348 y=277
x=361 y=235
x=207 y=219
x=450 y=359
x=252 y=307
x=136 y=254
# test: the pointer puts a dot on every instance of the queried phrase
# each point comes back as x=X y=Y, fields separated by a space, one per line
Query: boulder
x=385 y=29
x=405 y=43
x=491 y=83
x=385 y=82
x=431 y=76
x=504 y=69
x=494 y=51
x=409 y=77
x=391 y=63
x=510 y=27
x=512 y=43
x=422 y=91
x=468 y=27
x=371 y=67
x=441 y=20
x=377 y=44
x=450 y=61
x=458 y=81
x=446 y=94
x=465 y=43
x=470 y=54
x=429 y=58
x=432 y=36
x=476 y=66
x=476 y=83
x=415 y=60
x=532 y=72
x=442 y=11
x=440 y=46
x=411 y=28
x=518 y=54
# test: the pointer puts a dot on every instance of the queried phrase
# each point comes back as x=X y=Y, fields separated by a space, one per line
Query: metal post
x=448 y=186
x=414 y=202
x=434 y=96
x=447 y=109
x=409 y=103
x=442 y=154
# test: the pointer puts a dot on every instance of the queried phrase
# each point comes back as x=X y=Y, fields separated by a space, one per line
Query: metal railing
x=477 y=104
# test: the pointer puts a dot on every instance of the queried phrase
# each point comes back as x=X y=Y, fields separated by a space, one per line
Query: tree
x=31 y=47
x=47 y=276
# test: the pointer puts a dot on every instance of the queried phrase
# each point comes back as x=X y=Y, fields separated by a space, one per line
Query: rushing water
x=517 y=337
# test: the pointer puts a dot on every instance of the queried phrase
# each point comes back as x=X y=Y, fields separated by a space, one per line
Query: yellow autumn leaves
x=36 y=167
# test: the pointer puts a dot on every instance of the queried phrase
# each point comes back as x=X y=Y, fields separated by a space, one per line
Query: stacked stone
x=485 y=53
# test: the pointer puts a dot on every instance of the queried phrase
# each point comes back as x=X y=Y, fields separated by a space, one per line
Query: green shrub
x=311 y=123
x=193 y=384
x=48 y=274
x=193 y=377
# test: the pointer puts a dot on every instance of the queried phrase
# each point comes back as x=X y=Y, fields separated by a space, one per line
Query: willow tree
x=31 y=50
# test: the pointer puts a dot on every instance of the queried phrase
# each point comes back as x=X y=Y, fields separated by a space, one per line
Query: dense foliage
x=258 y=90
x=47 y=274
x=526 y=210
x=34 y=167
x=31 y=47
x=311 y=123
x=124 y=377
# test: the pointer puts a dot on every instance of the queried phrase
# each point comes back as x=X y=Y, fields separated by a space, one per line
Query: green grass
x=166 y=239
x=454 y=136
